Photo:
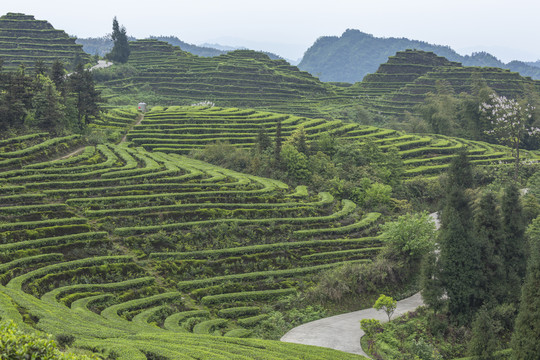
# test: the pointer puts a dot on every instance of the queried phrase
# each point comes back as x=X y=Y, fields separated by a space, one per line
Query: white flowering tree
x=509 y=120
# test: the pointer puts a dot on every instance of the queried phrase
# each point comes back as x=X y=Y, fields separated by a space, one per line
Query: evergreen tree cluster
x=477 y=275
x=48 y=98
x=525 y=340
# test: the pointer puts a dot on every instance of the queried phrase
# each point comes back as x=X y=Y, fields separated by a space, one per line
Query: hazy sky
x=507 y=29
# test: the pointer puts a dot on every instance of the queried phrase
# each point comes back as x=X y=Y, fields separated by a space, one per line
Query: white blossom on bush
x=204 y=103
x=509 y=122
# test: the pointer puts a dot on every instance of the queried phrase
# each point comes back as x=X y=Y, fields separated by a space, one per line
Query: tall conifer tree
x=120 y=51
x=484 y=339
x=81 y=84
x=58 y=75
x=525 y=340
x=430 y=281
x=487 y=227
x=513 y=245
x=460 y=256
x=277 y=150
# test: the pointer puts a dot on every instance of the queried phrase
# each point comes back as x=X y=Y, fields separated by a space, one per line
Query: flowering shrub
x=204 y=103
x=509 y=120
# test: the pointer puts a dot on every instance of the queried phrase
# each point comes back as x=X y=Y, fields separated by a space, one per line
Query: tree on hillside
x=262 y=140
x=295 y=163
x=387 y=304
x=120 y=51
x=84 y=95
x=15 y=98
x=49 y=111
x=513 y=240
x=509 y=123
x=430 y=282
x=439 y=109
x=525 y=342
x=277 y=149
x=488 y=233
x=484 y=341
x=459 y=257
x=470 y=118
x=39 y=67
x=410 y=237
x=58 y=75
x=298 y=139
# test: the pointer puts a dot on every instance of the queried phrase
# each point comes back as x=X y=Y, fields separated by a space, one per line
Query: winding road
x=101 y=64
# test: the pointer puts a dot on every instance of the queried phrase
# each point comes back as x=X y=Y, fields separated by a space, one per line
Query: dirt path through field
x=73 y=153
x=139 y=120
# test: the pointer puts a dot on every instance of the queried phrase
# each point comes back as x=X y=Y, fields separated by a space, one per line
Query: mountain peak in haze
x=354 y=54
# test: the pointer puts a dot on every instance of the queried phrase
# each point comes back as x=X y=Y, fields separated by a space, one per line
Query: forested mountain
x=355 y=54
x=534 y=63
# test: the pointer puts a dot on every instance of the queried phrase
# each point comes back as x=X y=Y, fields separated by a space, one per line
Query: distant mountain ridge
x=355 y=54
x=103 y=45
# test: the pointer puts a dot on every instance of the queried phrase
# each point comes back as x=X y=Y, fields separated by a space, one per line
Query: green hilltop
x=239 y=78
x=407 y=77
x=25 y=40
x=158 y=72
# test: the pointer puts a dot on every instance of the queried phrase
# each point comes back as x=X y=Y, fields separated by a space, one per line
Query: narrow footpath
x=138 y=122
x=343 y=332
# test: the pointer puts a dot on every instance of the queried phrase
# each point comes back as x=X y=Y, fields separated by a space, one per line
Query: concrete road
x=342 y=332
x=101 y=64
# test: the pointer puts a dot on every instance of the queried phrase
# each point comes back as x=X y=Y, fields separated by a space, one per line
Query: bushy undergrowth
x=286 y=314
x=355 y=286
x=423 y=334
x=16 y=345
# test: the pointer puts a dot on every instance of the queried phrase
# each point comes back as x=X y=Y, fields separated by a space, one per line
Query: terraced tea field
x=180 y=130
x=406 y=78
x=137 y=250
x=146 y=254
x=240 y=78
x=25 y=40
